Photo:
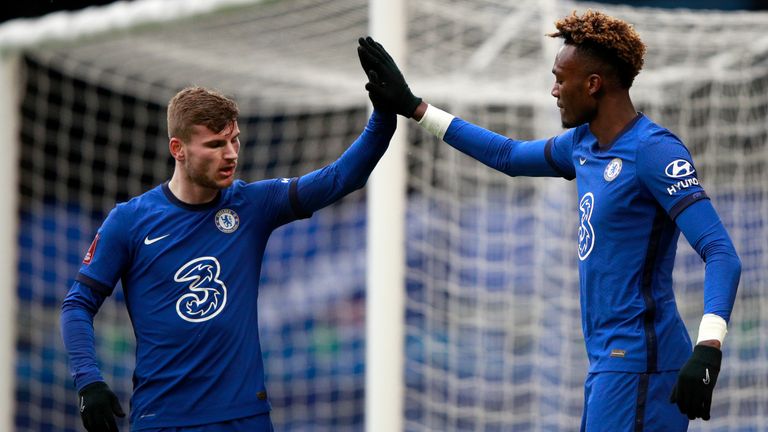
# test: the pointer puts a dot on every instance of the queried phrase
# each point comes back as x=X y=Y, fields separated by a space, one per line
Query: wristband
x=436 y=121
x=712 y=327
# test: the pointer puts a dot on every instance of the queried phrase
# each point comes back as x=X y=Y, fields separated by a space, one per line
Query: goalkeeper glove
x=98 y=406
x=696 y=381
x=386 y=85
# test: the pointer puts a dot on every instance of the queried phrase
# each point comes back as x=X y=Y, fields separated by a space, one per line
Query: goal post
x=471 y=275
x=9 y=129
x=385 y=276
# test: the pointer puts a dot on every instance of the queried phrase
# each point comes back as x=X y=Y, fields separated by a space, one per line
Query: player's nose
x=230 y=152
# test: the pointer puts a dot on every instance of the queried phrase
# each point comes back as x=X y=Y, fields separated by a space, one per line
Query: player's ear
x=594 y=84
x=176 y=147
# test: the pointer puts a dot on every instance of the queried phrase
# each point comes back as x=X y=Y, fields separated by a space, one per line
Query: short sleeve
x=666 y=169
x=559 y=154
x=107 y=257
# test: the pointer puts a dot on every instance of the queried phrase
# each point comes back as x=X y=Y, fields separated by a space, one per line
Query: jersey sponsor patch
x=682 y=184
x=679 y=168
x=227 y=220
x=91 y=250
x=207 y=294
x=586 y=231
x=612 y=170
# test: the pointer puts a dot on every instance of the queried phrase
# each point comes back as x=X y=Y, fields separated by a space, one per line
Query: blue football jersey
x=629 y=194
x=190 y=275
x=634 y=197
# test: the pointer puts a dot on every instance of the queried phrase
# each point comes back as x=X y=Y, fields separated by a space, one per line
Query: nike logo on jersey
x=706 y=376
x=582 y=161
x=149 y=241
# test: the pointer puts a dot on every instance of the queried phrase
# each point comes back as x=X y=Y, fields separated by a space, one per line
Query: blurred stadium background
x=492 y=336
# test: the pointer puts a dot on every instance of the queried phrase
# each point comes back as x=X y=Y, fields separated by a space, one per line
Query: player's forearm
x=512 y=157
x=356 y=164
x=79 y=340
x=418 y=114
x=721 y=278
x=351 y=171
x=705 y=232
x=714 y=343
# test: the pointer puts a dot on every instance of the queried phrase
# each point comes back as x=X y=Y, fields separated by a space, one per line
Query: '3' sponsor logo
x=586 y=231
x=207 y=294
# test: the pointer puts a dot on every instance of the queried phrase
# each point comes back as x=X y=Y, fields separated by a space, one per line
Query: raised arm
x=388 y=90
x=351 y=171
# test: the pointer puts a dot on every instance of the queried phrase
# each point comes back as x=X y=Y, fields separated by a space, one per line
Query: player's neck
x=612 y=117
x=188 y=192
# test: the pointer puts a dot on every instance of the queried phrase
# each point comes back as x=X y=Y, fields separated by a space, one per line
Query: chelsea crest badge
x=227 y=220
x=612 y=170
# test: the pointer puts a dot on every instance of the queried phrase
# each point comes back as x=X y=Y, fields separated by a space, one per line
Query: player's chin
x=564 y=120
x=225 y=181
x=568 y=122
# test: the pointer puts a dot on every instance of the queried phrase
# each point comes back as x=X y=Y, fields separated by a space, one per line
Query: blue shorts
x=257 y=423
x=631 y=402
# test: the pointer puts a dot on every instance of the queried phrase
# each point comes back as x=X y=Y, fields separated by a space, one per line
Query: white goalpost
x=442 y=296
x=385 y=280
x=9 y=115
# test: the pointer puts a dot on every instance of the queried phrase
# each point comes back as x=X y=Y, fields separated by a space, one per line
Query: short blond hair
x=199 y=106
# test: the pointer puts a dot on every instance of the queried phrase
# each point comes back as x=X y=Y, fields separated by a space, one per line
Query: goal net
x=492 y=338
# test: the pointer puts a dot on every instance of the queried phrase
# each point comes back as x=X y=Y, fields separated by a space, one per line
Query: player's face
x=571 y=88
x=211 y=158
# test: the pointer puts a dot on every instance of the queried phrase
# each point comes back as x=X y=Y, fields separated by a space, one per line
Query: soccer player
x=637 y=190
x=189 y=254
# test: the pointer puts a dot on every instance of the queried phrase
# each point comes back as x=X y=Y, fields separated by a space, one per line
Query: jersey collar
x=619 y=135
x=193 y=207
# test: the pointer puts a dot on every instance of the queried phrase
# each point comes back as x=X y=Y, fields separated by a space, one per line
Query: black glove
x=386 y=85
x=695 y=382
x=97 y=405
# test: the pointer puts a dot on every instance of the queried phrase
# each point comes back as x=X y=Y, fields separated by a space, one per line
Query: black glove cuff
x=98 y=385
x=411 y=108
x=708 y=354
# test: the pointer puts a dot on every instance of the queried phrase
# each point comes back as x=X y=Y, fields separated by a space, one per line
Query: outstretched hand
x=386 y=85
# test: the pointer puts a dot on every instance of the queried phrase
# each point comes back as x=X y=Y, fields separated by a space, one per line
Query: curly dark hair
x=611 y=40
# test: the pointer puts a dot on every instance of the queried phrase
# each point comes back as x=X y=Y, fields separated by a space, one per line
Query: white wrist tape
x=712 y=327
x=436 y=121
